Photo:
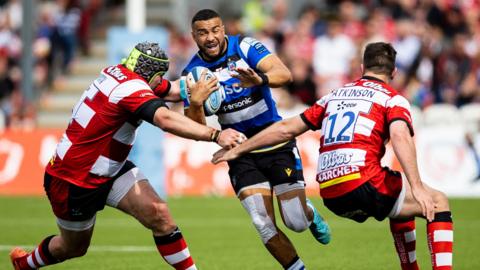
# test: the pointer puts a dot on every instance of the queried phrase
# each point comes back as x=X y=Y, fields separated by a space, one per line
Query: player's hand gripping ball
x=214 y=101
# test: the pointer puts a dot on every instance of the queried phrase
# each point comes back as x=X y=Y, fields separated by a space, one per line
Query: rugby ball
x=214 y=101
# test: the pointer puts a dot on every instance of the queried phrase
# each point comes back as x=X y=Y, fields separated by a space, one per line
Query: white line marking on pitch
x=94 y=248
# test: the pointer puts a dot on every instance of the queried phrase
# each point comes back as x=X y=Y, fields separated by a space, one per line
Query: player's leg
x=53 y=249
x=134 y=195
x=75 y=219
x=255 y=194
x=298 y=213
x=439 y=231
x=258 y=202
x=284 y=169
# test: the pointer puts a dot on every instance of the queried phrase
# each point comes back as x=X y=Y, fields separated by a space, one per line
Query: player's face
x=210 y=37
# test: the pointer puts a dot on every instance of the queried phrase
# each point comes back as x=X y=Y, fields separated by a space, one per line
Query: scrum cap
x=147 y=60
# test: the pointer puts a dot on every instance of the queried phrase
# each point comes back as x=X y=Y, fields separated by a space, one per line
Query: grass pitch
x=220 y=236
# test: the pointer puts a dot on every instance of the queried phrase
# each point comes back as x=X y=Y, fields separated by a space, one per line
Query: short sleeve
x=162 y=88
x=253 y=50
x=398 y=108
x=313 y=116
x=131 y=94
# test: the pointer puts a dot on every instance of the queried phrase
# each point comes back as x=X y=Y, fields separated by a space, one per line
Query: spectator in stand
x=302 y=87
x=7 y=86
x=67 y=21
x=332 y=54
x=453 y=67
x=89 y=12
x=349 y=14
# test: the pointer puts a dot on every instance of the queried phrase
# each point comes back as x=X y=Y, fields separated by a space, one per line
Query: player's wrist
x=264 y=79
x=215 y=135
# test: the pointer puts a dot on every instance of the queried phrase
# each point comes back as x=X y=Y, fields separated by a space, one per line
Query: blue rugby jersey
x=247 y=110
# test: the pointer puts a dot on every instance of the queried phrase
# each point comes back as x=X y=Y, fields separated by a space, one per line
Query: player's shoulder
x=194 y=62
x=120 y=73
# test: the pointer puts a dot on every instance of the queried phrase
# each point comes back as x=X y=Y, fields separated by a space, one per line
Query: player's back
x=355 y=127
x=102 y=128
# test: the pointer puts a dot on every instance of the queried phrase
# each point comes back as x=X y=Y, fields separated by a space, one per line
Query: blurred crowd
x=437 y=43
x=61 y=28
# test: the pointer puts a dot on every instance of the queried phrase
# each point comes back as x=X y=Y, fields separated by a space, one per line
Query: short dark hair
x=379 y=57
x=205 y=14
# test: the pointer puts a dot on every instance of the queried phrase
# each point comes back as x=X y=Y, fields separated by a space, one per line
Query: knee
x=265 y=227
x=293 y=215
x=80 y=251
x=296 y=226
x=158 y=218
x=260 y=218
x=441 y=201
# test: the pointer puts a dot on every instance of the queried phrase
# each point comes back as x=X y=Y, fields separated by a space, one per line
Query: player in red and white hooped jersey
x=90 y=168
x=356 y=120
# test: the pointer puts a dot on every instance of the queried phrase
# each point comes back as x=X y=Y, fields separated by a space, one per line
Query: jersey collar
x=371 y=78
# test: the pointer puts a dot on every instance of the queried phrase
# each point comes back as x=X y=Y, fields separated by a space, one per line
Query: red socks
x=440 y=240
x=403 y=233
x=174 y=250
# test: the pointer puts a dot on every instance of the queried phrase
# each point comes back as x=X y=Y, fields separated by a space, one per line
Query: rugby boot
x=319 y=227
x=16 y=255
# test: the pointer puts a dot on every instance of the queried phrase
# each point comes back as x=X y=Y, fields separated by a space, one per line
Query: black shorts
x=361 y=203
x=73 y=203
x=279 y=166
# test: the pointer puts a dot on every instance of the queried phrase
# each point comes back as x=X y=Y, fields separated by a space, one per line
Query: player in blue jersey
x=247 y=70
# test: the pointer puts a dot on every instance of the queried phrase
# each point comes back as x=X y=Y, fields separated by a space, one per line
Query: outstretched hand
x=230 y=138
x=200 y=90
x=425 y=201
x=223 y=155
x=247 y=76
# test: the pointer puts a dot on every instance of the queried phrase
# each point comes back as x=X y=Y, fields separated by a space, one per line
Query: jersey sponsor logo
x=241 y=102
x=116 y=72
x=334 y=159
x=341 y=157
x=230 y=89
x=245 y=102
x=337 y=172
x=344 y=105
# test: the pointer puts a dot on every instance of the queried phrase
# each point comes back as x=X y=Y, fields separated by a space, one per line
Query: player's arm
x=278 y=132
x=404 y=148
x=155 y=112
x=173 y=94
x=170 y=90
x=199 y=92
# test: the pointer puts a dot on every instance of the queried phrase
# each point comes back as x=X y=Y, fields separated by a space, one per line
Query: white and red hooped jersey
x=354 y=122
x=102 y=128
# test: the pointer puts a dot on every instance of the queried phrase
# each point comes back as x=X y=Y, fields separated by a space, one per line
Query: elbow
x=162 y=119
x=285 y=132
x=288 y=77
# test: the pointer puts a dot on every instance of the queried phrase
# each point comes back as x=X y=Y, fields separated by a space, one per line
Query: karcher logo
x=288 y=171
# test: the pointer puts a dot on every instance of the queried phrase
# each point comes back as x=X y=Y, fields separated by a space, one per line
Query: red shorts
x=371 y=199
x=73 y=203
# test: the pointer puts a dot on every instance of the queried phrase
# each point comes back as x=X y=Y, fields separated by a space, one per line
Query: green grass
x=220 y=236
